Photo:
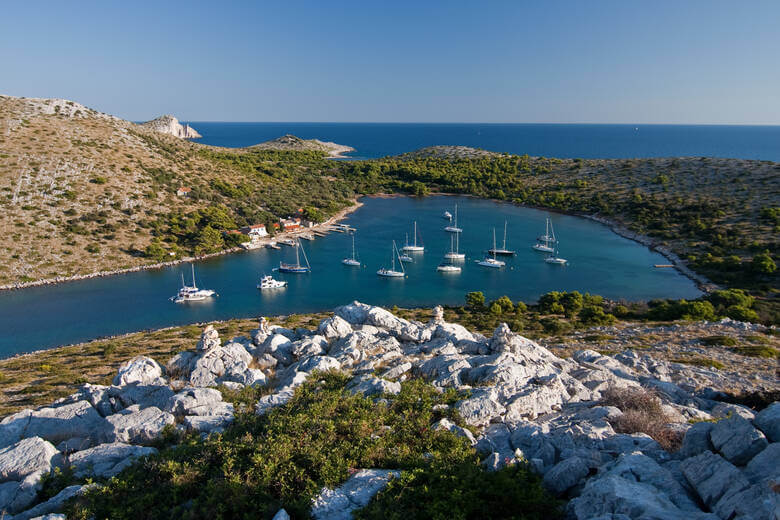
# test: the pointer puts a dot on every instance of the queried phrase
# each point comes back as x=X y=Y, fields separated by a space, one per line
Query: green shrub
x=740 y=313
x=764 y=351
x=726 y=341
x=284 y=458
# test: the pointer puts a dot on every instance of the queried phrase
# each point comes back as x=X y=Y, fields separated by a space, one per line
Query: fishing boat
x=553 y=258
x=268 y=282
x=392 y=273
x=454 y=227
x=447 y=215
x=296 y=267
x=543 y=242
x=503 y=251
x=413 y=248
x=352 y=261
x=191 y=293
x=491 y=261
x=453 y=253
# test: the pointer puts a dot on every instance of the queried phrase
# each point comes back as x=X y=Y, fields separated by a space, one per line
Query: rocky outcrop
x=519 y=403
x=293 y=143
x=167 y=124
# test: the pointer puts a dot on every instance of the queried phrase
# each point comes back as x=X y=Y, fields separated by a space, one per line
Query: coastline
x=340 y=215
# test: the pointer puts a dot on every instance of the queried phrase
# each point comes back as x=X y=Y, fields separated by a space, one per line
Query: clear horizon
x=609 y=62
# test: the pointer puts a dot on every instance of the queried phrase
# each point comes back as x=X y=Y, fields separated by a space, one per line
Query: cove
x=600 y=262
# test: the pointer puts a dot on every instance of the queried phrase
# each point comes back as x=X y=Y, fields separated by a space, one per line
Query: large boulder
x=713 y=478
x=54 y=504
x=139 y=370
x=565 y=475
x=315 y=345
x=55 y=424
x=697 y=440
x=117 y=398
x=355 y=493
x=768 y=421
x=18 y=496
x=106 y=460
x=209 y=339
x=765 y=467
x=737 y=440
x=198 y=401
x=481 y=408
x=135 y=426
x=371 y=386
x=25 y=457
x=334 y=327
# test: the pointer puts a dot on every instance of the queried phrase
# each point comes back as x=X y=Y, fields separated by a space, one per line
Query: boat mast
x=399 y=260
x=353 y=246
x=494 y=243
x=415 y=233
x=182 y=281
x=193 y=275
x=304 y=255
x=504 y=247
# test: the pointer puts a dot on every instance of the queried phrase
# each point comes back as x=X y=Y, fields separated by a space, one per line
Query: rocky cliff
x=168 y=124
x=575 y=421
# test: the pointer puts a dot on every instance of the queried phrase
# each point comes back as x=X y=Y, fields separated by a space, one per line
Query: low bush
x=642 y=413
x=726 y=341
x=764 y=351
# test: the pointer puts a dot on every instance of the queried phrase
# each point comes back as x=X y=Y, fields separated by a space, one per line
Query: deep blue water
x=551 y=140
x=601 y=262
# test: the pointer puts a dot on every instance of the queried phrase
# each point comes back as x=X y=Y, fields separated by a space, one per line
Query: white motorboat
x=392 y=273
x=268 y=282
x=191 y=293
x=352 y=261
x=453 y=253
x=491 y=261
x=543 y=242
x=406 y=258
x=454 y=227
x=413 y=247
x=287 y=241
x=447 y=215
x=503 y=250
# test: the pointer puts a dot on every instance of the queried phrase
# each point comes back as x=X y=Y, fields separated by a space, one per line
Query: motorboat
x=268 y=282
x=191 y=293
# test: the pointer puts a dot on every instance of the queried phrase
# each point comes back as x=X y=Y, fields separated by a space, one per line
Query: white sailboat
x=553 y=257
x=191 y=293
x=352 y=261
x=453 y=254
x=412 y=248
x=447 y=266
x=503 y=251
x=296 y=268
x=454 y=227
x=489 y=261
x=392 y=273
x=543 y=242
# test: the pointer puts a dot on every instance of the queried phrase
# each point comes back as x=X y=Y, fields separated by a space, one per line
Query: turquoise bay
x=600 y=262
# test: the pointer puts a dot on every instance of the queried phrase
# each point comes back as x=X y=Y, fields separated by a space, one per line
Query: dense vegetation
x=284 y=458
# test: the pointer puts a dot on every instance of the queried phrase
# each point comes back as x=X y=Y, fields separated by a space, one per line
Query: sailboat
x=453 y=253
x=454 y=227
x=352 y=261
x=392 y=273
x=491 y=261
x=447 y=266
x=413 y=248
x=553 y=257
x=543 y=242
x=191 y=293
x=296 y=267
x=503 y=251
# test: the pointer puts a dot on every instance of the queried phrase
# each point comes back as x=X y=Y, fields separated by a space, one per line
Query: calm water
x=600 y=262
x=587 y=141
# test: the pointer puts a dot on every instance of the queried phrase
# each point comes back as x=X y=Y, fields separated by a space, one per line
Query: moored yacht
x=503 y=250
x=392 y=273
x=453 y=253
x=296 y=267
x=543 y=242
x=445 y=267
x=268 y=282
x=191 y=293
x=352 y=261
x=454 y=227
x=553 y=258
x=491 y=261
x=413 y=247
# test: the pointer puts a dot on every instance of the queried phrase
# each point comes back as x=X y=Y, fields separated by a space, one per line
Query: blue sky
x=628 y=61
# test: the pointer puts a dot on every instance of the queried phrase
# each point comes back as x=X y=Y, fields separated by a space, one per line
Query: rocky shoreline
x=63 y=279
x=574 y=421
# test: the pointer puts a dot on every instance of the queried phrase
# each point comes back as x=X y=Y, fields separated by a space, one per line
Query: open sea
x=372 y=140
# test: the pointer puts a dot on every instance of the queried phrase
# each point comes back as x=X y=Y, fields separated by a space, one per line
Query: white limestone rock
x=713 y=478
x=25 y=457
x=354 y=494
x=167 y=124
x=315 y=345
x=334 y=327
x=139 y=370
x=768 y=421
x=396 y=371
x=198 y=401
x=565 y=475
x=481 y=408
x=18 y=496
x=737 y=440
x=106 y=460
x=446 y=424
x=697 y=440
x=54 y=504
x=209 y=339
x=135 y=426
x=55 y=424
x=371 y=386
x=765 y=467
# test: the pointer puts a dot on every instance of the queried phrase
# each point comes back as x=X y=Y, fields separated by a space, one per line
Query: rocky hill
x=167 y=124
x=621 y=436
x=292 y=143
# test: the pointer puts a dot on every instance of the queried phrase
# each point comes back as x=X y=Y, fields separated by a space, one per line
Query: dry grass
x=642 y=413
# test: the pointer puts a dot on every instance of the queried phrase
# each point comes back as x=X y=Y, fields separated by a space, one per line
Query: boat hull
x=542 y=249
x=455 y=256
x=386 y=273
x=350 y=262
x=448 y=269
x=453 y=229
x=501 y=252
x=293 y=269
x=556 y=261
x=491 y=264
x=413 y=249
